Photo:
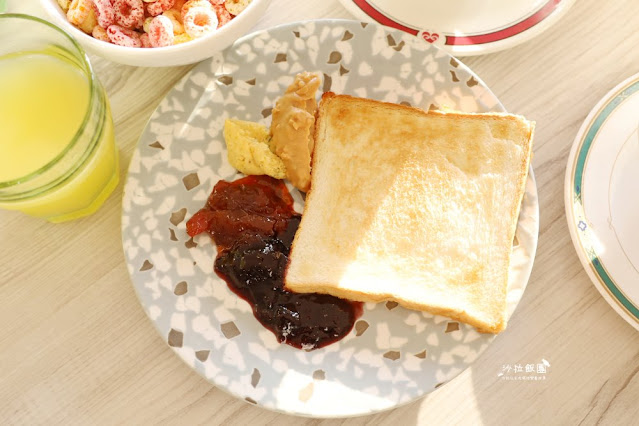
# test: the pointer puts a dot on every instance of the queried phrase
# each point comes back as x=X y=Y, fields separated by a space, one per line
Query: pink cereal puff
x=159 y=6
x=200 y=21
x=217 y=2
x=106 y=12
x=223 y=15
x=99 y=33
x=144 y=39
x=129 y=13
x=161 y=32
x=123 y=36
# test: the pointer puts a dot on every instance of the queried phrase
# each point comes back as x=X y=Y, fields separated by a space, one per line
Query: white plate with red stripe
x=464 y=27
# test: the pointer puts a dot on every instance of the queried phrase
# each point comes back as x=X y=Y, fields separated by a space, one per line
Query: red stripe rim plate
x=468 y=40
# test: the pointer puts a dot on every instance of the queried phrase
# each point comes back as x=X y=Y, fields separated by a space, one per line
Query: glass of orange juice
x=58 y=158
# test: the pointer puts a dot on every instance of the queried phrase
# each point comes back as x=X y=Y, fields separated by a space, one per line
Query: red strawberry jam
x=252 y=222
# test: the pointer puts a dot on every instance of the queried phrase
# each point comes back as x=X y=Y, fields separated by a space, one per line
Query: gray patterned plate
x=393 y=355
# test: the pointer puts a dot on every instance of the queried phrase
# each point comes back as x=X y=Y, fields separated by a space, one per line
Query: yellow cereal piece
x=182 y=38
x=81 y=13
x=234 y=7
x=248 y=150
x=64 y=5
x=176 y=18
x=90 y=23
x=77 y=12
x=100 y=33
x=146 y=25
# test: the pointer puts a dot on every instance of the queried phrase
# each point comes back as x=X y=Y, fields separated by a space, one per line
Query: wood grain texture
x=77 y=348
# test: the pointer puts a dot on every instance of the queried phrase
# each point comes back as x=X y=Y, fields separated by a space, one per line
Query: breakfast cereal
x=100 y=33
x=129 y=13
x=81 y=13
x=144 y=39
x=190 y=4
x=106 y=12
x=129 y=22
x=159 y=6
x=176 y=19
x=123 y=36
x=236 y=6
x=64 y=5
x=182 y=38
x=161 y=32
x=199 y=21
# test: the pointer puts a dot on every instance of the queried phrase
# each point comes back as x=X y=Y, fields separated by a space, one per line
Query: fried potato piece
x=270 y=163
x=248 y=150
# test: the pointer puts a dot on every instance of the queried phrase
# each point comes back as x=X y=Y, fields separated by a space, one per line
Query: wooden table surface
x=77 y=348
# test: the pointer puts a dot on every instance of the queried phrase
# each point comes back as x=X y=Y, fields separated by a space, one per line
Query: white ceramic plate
x=464 y=27
x=393 y=355
x=602 y=201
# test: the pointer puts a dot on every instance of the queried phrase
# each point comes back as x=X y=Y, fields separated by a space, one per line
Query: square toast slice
x=411 y=206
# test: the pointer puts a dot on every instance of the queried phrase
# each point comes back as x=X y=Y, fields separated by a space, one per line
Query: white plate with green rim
x=464 y=27
x=601 y=199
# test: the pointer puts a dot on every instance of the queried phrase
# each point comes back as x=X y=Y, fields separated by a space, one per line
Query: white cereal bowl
x=181 y=54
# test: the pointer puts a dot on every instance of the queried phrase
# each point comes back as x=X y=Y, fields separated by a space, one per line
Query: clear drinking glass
x=58 y=158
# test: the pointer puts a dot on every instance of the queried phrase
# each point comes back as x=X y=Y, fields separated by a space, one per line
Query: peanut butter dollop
x=293 y=127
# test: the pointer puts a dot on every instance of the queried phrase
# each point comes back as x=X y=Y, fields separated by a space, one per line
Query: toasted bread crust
x=410 y=206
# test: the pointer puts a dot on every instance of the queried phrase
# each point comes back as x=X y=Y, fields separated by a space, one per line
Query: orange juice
x=51 y=123
x=43 y=100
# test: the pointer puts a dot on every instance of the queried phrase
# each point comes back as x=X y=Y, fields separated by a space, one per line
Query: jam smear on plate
x=252 y=222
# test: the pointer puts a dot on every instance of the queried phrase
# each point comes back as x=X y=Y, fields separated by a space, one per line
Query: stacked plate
x=601 y=199
x=464 y=27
